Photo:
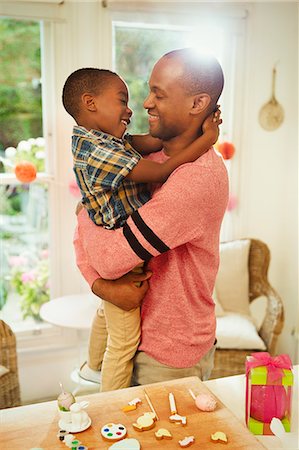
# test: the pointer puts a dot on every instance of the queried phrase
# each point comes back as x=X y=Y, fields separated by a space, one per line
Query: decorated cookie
x=219 y=436
x=187 y=441
x=162 y=433
x=132 y=405
x=113 y=431
x=145 y=422
x=126 y=444
x=176 y=418
x=135 y=401
x=128 y=408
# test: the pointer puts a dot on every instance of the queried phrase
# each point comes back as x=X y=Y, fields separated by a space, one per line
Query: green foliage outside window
x=136 y=52
x=20 y=85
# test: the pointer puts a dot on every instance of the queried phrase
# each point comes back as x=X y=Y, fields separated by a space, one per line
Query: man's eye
x=159 y=97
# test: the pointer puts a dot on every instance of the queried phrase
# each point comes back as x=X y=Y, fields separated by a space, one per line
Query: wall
x=269 y=172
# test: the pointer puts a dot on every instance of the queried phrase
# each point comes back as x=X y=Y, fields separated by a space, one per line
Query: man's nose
x=148 y=102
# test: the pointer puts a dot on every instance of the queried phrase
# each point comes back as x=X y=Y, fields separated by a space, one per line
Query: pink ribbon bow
x=274 y=364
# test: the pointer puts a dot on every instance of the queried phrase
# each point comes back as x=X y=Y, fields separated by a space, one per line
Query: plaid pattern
x=101 y=163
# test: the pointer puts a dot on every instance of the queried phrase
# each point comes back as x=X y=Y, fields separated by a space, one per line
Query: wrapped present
x=269 y=382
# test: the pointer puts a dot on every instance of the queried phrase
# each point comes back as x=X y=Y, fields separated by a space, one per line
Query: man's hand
x=123 y=292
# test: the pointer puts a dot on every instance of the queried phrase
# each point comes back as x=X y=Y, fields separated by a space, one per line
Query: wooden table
x=36 y=425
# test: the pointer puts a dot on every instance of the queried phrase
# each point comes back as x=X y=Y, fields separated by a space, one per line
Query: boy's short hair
x=81 y=81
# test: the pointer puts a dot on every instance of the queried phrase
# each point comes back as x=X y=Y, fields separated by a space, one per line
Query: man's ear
x=200 y=103
x=88 y=102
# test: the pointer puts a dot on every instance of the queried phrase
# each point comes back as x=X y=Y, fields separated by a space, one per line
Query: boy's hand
x=123 y=292
x=211 y=125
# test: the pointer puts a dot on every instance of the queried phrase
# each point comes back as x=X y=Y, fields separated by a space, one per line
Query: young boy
x=111 y=175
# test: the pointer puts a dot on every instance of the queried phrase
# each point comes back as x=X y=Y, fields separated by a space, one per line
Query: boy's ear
x=200 y=103
x=88 y=102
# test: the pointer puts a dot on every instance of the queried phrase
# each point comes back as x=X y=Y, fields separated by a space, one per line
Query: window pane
x=137 y=48
x=20 y=91
x=24 y=282
x=24 y=250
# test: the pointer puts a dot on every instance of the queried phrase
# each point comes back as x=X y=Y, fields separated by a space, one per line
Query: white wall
x=268 y=208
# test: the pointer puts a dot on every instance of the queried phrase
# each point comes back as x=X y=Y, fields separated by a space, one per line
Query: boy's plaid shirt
x=101 y=163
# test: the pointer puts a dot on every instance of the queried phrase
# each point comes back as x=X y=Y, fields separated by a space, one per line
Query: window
x=134 y=57
x=24 y=234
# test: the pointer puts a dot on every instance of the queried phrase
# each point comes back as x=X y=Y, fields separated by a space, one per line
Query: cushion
x=232 y=281
x=3 y=370
x=234 y=331
x=258 y=308
x=219 y=311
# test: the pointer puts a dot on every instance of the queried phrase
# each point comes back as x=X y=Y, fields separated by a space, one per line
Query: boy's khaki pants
x=117 y=362
x=113 y=342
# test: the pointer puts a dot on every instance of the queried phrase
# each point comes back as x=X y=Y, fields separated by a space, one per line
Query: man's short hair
x=81 y=81
x=202 y=73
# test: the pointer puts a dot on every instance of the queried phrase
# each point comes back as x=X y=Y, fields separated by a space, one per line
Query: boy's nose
x=130 y=112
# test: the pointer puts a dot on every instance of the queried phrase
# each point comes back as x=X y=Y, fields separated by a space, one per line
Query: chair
x=9 y=380
x=232 y=361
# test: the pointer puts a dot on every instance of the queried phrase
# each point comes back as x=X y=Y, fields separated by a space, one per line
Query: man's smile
x=153 y=117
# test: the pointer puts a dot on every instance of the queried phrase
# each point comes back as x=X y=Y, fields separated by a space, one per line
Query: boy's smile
x=112 y=111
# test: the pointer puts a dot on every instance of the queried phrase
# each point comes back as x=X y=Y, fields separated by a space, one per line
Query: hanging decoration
x=74 y=189
x=227 y=149
x=232 y=202
x=271 y=114
x=25 y=171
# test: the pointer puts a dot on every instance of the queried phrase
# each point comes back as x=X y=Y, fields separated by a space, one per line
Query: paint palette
x=113 y=431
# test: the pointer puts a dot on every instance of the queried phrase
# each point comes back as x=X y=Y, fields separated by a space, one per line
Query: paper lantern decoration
x=74 y=189
x=227 y=149
x=268 y=402
x=232 y=202
x=25 y=171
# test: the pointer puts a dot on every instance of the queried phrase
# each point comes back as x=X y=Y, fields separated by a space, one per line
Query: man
x=176 y=232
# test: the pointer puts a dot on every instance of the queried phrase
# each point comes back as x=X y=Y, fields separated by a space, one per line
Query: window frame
x=234 y=24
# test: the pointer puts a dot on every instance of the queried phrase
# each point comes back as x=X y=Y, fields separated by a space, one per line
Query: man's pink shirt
x=177 y=313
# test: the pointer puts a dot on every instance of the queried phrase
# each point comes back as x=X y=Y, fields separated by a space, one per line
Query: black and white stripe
x=148 y=234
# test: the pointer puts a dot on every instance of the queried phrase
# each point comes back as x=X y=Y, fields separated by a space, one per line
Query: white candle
x=172 y=403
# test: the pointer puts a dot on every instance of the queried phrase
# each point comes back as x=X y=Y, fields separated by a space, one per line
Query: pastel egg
x=205 y=402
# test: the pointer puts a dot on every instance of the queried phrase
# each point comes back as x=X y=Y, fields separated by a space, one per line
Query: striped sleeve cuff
x=149 y=236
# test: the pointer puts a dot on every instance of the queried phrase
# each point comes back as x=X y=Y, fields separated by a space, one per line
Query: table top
x=71 y=311
x=36 y=425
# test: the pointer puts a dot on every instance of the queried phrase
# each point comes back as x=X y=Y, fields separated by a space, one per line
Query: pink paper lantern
x=268 y=402
x=74 y=189
x=227 y=149
x=232 y=202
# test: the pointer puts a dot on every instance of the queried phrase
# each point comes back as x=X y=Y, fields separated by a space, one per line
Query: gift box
x=269 y=382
